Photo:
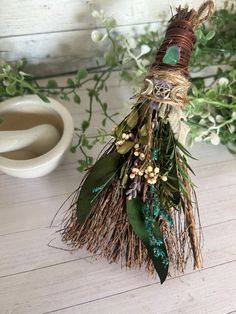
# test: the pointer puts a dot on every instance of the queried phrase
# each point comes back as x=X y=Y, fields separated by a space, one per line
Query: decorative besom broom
x=135 y=204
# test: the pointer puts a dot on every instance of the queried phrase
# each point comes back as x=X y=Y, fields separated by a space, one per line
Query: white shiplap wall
x=54 y=36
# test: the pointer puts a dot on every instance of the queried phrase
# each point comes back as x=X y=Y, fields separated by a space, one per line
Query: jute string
x=178 y=94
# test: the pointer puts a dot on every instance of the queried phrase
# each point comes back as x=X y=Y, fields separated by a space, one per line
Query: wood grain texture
x=32 y=17
x=196 y=293
x=49 y=33
x=50 y=16
x=59 y=52
x=86 y=280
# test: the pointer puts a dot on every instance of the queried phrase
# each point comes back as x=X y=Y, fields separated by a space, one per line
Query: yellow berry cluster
x=125 y=137
x=138 y=153
x=151 y=174
x=135 y=171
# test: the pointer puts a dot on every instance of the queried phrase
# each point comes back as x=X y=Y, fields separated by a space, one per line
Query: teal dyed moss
x=152 y=188
x=154 y=154
x=154 y=241
x=98 y=189
x=172 y=55
x=156 y=211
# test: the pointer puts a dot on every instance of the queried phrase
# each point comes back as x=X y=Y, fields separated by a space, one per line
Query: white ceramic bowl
x=21 y=113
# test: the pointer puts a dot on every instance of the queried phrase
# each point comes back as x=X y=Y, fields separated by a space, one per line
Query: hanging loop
x=205 y=11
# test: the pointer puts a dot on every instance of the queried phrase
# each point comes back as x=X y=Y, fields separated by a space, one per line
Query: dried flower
x=149 y=169
x=142 y=156
x=131 y=135
x=135 y=170
x=119 y=143
x=164 y=178
x=152 y=181
x=134 y=188
x=132 y=176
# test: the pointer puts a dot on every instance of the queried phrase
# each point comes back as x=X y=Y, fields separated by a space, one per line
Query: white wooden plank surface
x=86 y=280
x=59 y=52
x=49 y=33
x=50 y=16
x=51 y=49
x=16 y=248
x=196 y=293
x=31 y=17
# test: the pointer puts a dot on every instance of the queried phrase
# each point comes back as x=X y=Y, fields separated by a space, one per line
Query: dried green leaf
x=124 y=148
x=184 y=191
x=132 y=119
x=135 y=216
x=143 y=131
x=186 y=163
x=184 y=150
x=183 y=173
x=121 y=128
x=101 y=174
x=143 y=140
x=173 y=183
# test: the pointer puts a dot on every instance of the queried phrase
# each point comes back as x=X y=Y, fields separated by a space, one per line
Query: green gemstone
x=172 y=55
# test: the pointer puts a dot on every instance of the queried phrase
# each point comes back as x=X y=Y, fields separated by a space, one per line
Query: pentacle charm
x=162 y=88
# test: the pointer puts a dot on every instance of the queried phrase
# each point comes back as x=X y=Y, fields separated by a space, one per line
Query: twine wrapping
x=180 y=33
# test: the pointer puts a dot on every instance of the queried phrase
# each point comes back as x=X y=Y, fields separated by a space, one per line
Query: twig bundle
x=136 y=203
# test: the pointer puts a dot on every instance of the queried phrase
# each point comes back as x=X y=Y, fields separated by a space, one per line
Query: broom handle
x=180 y=32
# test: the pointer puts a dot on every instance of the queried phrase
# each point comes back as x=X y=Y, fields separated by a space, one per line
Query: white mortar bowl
x=20 y=113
